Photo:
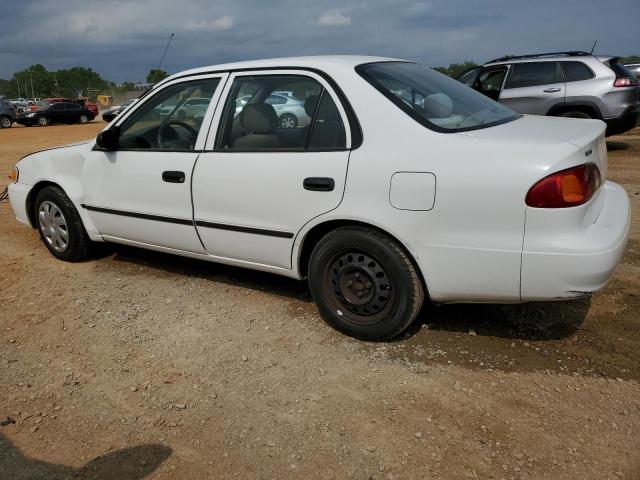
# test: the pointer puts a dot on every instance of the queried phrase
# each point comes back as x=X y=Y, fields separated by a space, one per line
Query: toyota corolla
x=404 y=185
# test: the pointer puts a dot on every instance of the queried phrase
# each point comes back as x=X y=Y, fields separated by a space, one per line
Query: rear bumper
x=626 y=122
x=585 y=262
x=18 y=193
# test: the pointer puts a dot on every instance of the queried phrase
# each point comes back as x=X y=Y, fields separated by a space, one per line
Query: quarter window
x=256 y=119
x=576 y=71
x=532 y=74
x=168 y=120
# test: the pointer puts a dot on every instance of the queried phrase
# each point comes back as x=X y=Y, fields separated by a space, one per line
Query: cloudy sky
x=123 y=39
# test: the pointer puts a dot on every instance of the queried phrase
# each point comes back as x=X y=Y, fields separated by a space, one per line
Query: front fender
x=63 y=167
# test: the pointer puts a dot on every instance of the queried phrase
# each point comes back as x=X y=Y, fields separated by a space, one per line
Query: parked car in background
x=522 y=210
x=113 y=112
x=290 y=110
x=20 y=104
x=564 y=84
x=186 y=108
x=7 y=114
x=634 y=68
x=57 y=112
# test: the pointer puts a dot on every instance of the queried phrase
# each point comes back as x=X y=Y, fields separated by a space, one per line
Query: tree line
x=37 y=81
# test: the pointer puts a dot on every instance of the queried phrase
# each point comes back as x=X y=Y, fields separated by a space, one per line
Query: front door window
x=171 y=119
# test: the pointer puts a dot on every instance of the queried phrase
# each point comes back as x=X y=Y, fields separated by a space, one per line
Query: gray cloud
x=124 y=39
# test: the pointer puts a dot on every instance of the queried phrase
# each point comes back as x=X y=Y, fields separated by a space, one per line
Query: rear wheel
x=5 y=122
x=43 y=121
x=84 y=119
x=60 y=226
x=575 y=114
x=288 y=121
x=364 y=283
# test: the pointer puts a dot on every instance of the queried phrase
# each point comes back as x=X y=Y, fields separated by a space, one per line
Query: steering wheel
x=163 y=130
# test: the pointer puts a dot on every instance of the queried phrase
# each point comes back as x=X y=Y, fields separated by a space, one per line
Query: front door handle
x=319 y=184
x=552 y=90
x=173 y=176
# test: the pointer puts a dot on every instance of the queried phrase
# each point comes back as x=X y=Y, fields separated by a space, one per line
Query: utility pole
x=32 y=94
x=18 y=83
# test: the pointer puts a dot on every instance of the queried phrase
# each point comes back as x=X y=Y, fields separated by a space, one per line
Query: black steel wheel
x=364 y=283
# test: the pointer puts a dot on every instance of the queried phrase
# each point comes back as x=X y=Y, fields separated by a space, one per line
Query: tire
x=5 y=121
x=42 y=121
x=83 y=119
x=575 y=114
x=288 y=121
x=60 y=226
x=364 y=283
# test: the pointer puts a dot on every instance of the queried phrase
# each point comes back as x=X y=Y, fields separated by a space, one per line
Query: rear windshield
x=620 y=70
x=436 y=101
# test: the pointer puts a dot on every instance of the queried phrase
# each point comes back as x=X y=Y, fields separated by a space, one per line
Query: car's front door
x=141 y=192
x=57 y=113
x=260 y=182
x=533 y=87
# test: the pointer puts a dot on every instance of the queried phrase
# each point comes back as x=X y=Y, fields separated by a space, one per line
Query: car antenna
x=162 y=59
x=594 y=47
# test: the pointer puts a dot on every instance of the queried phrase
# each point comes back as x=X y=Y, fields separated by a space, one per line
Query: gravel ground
x=143 y=365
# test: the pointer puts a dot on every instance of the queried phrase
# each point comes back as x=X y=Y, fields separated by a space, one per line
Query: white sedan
x=405 y=185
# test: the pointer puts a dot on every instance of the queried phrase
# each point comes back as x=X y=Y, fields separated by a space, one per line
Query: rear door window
x=533 y=74
x=257 y=119
x=576 y=71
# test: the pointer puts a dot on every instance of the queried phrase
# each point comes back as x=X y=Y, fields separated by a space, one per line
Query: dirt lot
x=140 y=364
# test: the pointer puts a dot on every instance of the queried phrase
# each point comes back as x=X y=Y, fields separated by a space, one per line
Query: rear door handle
x=173 y=176
x=319 y=184
x=552 y=90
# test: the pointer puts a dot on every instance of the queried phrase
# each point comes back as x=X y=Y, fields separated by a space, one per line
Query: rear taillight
x=567 y=188
x=625 y=82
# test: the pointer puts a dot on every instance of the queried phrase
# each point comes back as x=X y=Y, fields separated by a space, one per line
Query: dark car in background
x=7 y=114
x=59 y=112
x=562 y=84
x=113 y=112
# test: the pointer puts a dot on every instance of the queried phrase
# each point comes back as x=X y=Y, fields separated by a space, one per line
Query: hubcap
x=360 y=283
x=53 y=226
x=288 y=122
x=6 y=123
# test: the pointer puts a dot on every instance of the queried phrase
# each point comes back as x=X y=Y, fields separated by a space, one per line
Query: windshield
x=436 y=101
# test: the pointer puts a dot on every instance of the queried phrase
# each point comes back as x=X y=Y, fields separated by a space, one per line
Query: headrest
x=259 y=118
x=310 y=104
x=438 y=105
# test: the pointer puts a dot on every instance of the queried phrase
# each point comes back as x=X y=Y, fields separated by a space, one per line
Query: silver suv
x=565 y=84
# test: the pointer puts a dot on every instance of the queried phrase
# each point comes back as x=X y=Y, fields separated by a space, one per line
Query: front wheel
x=5 y=122
x=43 y=121
x=60 y=226
x=364 y=283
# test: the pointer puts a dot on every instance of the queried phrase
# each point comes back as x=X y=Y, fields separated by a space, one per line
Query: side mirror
x=109 y=139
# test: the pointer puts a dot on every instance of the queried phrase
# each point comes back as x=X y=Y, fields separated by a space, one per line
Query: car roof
x=320 y=62
x=549 y=58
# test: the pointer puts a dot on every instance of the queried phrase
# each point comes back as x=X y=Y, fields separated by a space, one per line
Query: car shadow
x=130 y=463
x=530 y=321
x=214 y=272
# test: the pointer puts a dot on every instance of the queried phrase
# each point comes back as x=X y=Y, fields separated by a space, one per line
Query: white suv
x=404 y=185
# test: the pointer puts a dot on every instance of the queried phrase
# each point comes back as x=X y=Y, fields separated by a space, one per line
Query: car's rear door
x=258 y=183
x=141 y=192
x=533 y=87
